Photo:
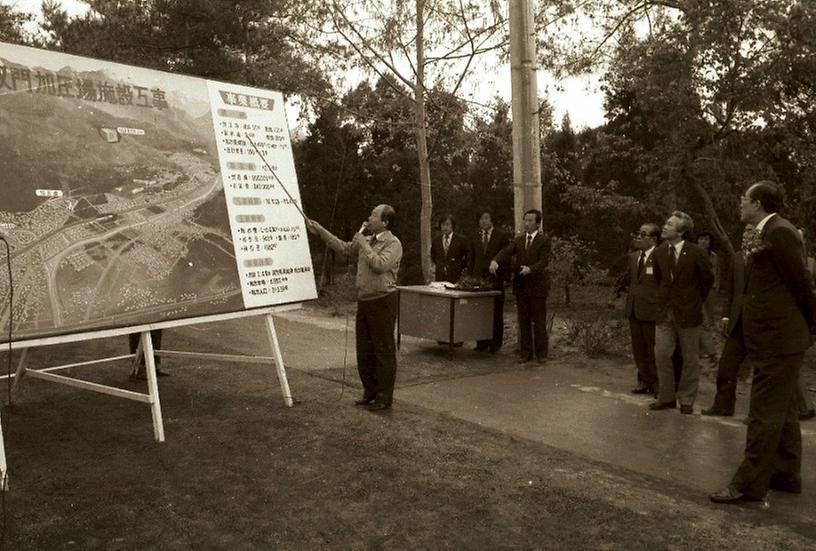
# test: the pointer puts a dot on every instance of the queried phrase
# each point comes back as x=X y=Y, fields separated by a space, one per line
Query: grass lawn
x=239 y=470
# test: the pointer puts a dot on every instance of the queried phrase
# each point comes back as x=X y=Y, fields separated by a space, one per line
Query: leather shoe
x=524 y=359
x=716 y=412
x=808 y=415
x=657 y=406
x=494 y=349
x=377 y=406
x=686 y=409
x=480 y=348
x=363 y=401
x=782 y=484
x=642 y=390
x=731 y=496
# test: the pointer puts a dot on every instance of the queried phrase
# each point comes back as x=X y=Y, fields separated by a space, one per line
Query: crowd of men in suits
x=492 y=257
x=769 y=320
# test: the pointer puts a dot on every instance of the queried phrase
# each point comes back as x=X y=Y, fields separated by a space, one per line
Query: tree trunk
x=422 y=147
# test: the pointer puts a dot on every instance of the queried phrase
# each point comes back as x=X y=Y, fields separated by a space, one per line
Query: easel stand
x=145 y=350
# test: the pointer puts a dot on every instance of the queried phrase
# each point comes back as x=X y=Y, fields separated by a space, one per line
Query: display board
x=130 y=196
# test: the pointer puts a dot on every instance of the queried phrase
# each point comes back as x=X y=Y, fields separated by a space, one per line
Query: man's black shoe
x=524 y=359
x=494 y=349
x=377 y=406
x=686 y=409
x=808 y=415
x=642 y=390
x=731 y=496
x=363 y=401
x=481 y=348
x=657 y=406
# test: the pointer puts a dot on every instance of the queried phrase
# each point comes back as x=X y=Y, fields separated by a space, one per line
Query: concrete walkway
x=567 y=404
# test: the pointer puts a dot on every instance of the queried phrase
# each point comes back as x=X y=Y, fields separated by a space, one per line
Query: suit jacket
x=480 y=257
x=734 y=288
x=778 y=303
x=536 y=257
x=641 y=299
x=449 y=265
x=685 y=293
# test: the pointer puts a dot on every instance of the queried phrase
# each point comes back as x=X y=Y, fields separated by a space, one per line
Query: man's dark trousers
x=376 y=349
x=643 y=339
x=773 y=447
x=495 y=343
x=532 y=320
x=733 y=355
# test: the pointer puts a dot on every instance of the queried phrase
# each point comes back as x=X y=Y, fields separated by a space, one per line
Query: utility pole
x=523 y=74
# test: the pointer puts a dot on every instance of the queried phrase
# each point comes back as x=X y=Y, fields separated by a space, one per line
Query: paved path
x=564 y=404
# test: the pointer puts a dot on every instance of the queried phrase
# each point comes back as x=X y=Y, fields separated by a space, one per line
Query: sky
x=578 y=96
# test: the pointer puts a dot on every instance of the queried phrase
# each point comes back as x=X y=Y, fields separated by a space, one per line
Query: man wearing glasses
x=777 y=321
x=641 y=305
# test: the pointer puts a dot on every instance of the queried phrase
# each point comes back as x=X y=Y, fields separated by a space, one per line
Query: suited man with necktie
x=530 y=255
x=450 y=252
x=778 y=318
x=685 y=277
x=487 y=243
x=641 y=306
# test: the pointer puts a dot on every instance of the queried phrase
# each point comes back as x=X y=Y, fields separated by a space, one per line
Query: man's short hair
x=388 y=216
x=686 y=222
x=483 y=211
x=444 y=218
x=769 y=195
x=653 y=229
x=537 y=214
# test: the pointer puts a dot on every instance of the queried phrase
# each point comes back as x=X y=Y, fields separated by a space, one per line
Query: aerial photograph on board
x=110 y=197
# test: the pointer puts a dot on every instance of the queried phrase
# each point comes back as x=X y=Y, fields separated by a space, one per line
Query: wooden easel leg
x=3 y=466
x=20 y=373
x=152 y=386
x=276 y=353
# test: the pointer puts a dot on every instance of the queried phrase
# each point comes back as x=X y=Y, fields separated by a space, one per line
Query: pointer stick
x=258 y=151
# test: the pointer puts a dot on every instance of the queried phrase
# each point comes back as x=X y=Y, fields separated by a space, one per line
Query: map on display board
x=130 y=196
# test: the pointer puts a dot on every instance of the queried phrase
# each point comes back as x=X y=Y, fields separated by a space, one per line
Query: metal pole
x=523 y=73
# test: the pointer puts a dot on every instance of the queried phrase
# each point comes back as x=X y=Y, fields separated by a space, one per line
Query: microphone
x=362 y=228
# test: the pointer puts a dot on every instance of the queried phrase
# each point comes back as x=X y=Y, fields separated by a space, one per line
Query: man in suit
x=733 y=353
x=684 y=275
x=530 y=254
x=777 y=319
x=486 y=245
x=450 y=252
x=133 y=342
x=641 y=306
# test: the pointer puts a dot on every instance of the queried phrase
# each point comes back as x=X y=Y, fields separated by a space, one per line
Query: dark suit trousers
x=376 y=349
x=155 y=337
x=532 y=321
x=498 y=324
x=643 y=340
x=773 y=446
x=733 y=354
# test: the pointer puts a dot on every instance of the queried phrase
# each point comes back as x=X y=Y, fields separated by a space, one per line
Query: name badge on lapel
x=649 y=270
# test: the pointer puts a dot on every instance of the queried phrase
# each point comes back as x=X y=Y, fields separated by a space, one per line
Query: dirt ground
x=239 y=470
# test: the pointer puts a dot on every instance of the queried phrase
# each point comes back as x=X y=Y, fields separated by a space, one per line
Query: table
x=445 y=314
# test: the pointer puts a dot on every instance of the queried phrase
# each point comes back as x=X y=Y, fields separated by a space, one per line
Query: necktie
x=529 y=241
x=672 y=260
x=484 y=240
x=446 y=243
x=641 y=261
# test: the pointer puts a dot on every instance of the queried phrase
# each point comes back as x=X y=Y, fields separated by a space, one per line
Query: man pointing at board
x=378 y=259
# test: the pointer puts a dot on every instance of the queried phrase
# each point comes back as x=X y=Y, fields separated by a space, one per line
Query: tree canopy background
x=701 y=99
